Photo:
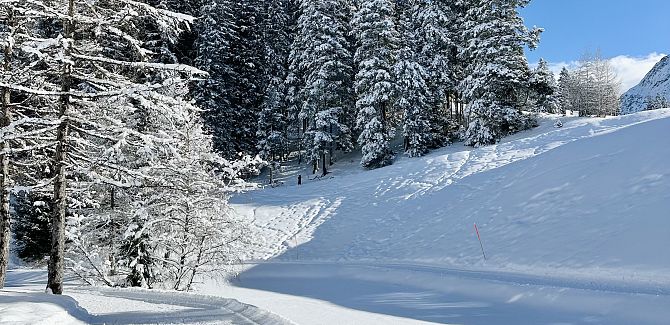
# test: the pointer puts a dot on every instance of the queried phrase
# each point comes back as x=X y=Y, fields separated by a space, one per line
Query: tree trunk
x=5 y=217
x=324 y=163
x=56 y=260
x=198 y=260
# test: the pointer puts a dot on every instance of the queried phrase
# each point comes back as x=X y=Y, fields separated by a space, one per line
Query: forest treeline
x=126 y=124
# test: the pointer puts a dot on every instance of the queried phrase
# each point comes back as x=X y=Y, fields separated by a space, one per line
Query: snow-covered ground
x=574 y=222
x=23 y=301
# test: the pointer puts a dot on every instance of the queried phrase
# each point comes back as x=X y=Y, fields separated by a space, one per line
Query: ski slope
x=576 y=215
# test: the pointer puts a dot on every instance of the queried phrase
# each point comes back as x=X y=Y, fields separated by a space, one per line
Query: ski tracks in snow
x=285 y=227
x=23 y=301
x=128 y=306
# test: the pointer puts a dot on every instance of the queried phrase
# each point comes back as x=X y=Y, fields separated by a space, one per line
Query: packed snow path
x=23 y=301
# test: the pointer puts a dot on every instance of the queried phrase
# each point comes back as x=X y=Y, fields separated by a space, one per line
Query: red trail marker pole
x=480 y=241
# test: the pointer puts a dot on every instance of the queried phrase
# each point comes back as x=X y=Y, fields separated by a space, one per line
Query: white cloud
x=630 y=69
x=556 y=67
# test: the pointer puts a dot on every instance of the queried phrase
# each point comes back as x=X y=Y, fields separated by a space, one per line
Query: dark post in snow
x=299 y=179
x=56 y=260
x=5 y=217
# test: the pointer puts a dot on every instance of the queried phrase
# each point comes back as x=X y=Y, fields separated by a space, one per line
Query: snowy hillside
x=655 y=83
x=582 y=207
x=573 y=221
x=538 y=201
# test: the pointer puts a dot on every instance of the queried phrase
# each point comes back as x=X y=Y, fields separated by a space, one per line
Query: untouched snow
x=574 y=223
x=655 y=83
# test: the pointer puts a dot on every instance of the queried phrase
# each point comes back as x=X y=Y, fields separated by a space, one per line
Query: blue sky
x=633 y=32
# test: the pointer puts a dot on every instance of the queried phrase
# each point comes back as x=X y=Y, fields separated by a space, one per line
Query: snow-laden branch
x=135 y=88
x=162 y=12
x=158 y=66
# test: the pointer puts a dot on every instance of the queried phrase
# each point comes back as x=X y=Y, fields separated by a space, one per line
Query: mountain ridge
x=652 y=92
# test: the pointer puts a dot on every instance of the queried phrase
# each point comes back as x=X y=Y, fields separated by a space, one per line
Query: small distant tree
x=566 y=90
x=543 y=88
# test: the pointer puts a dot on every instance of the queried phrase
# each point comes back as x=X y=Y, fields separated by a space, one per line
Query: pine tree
x=325 y=64
x=497 y=72
x=272 y=124
x=544 y=88
x=375 y=87
x=565 y=85
x=412 y=96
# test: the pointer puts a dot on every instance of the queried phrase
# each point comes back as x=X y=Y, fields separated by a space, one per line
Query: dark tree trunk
x=324 y=164
x=5 y=217
x=56 y=260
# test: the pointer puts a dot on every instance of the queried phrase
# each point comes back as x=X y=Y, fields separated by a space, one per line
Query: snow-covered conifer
x=325 y=63
x=544 y=88
x=497 y=72
x=273 y=118
x=378 y=40
x=565 y=84
x=412 y=93
x=92 y=86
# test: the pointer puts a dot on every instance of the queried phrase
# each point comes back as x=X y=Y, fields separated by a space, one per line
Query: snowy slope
x=655 y=83
x=570 y=198
x=574 y=222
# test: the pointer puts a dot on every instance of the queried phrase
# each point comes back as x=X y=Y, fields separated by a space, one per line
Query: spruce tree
x=377 y=43
x=325 y=63
x=497 y=72
x=544 y=88
x=214 y=46
x=31 y=226
x=412 y=96
x=230 y=47
x=565 y=84
x=435 y=22
x=273 y=118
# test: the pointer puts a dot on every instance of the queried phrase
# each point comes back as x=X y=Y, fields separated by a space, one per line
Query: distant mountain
x=652 y=92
